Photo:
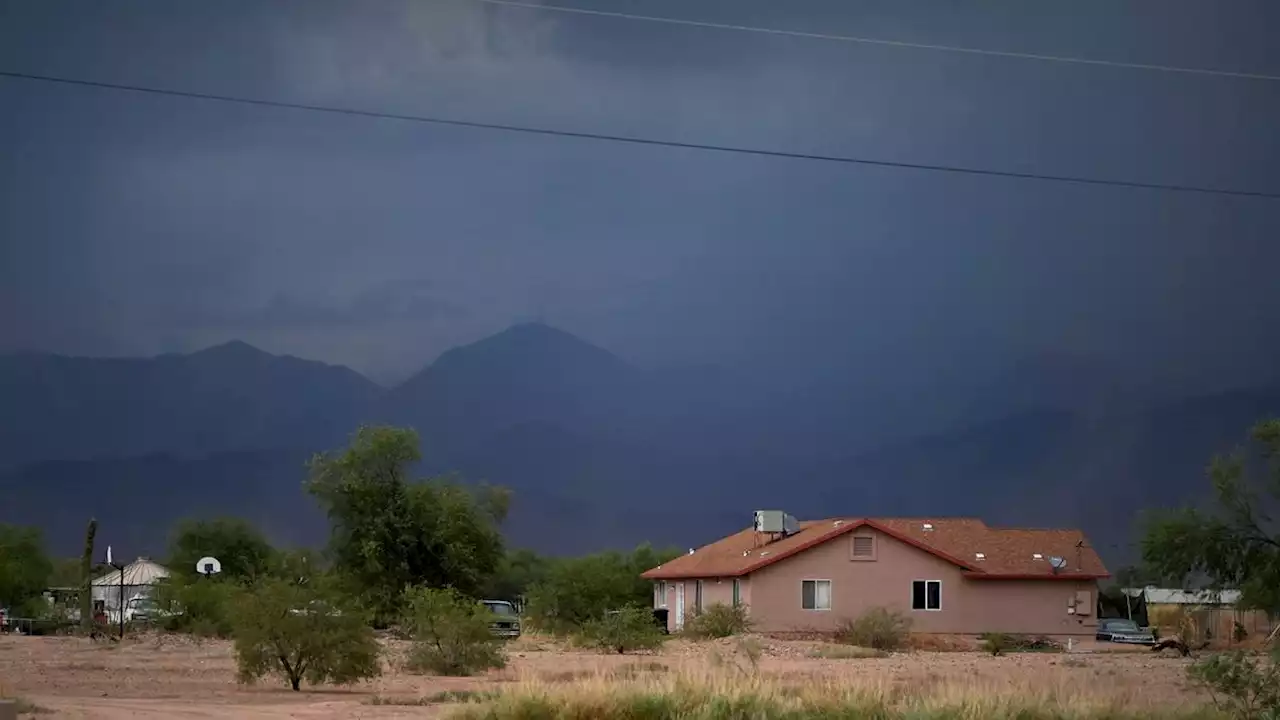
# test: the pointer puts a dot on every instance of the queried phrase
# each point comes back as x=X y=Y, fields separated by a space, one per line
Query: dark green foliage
x=718 y=621
x=450 y=632
x=1244 y=687
x=1001 y=643
x=578 y=590
x=296 y=565
x=301 y=632
x=1236 y=545
x=879 y=628
x=24 y=569
x=626 y=630
x=389 y=533
x=516 y=574
x=242 y=550
x=201 y=606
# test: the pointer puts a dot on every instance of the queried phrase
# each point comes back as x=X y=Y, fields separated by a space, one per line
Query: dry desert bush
x=711 y=693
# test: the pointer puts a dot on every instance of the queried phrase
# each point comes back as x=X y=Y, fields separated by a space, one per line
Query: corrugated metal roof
x=139 y=572
x=1170 y=596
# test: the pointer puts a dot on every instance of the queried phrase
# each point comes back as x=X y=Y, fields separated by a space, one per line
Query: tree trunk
x=86 y=582
x=296 y=682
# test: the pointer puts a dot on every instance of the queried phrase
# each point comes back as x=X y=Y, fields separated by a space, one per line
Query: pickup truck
x=506 y=622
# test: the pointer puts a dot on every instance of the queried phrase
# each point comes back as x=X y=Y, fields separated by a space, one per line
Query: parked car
x=506 y=621
x=145 y=609
x=1120 y=630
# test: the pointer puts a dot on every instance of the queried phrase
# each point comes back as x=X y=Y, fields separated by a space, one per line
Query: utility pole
x=121 y=569
x=86 y=578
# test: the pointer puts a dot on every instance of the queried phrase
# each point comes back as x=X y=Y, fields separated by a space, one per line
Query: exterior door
x=679 y=606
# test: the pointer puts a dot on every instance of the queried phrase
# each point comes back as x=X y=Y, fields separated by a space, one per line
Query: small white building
x=140 y=577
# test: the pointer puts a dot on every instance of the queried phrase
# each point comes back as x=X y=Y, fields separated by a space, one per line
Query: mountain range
x=599 y=453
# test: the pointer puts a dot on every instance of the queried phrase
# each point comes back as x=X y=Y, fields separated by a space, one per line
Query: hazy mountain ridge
x=597 y=451
x=226 y=398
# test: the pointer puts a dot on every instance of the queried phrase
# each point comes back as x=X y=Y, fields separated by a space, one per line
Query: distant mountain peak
x=233 y=348
x=526 y=345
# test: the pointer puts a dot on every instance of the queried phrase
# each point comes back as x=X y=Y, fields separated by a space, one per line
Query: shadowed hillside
x=597 y=452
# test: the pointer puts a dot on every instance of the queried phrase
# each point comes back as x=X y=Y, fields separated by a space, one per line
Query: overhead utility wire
x=889 y=43
x=727 y=149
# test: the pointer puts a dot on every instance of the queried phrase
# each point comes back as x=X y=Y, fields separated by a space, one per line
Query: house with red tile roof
x=948 y=575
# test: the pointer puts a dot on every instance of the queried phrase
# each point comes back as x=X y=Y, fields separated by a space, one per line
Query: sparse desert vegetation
x=162 y=676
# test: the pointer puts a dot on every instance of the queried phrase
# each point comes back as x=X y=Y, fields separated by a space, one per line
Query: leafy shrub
x=300 y=631
x=995 y=643
x=718 y=621
x=1242 y=686
x=450 y=632
x=197 y=606
x=878 y=628
x=625 y=630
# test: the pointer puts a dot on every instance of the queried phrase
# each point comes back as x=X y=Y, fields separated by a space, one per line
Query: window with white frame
x=660 y=593
x=737 y=592
x=697 y=597
x=815 y=594
x=926 y=595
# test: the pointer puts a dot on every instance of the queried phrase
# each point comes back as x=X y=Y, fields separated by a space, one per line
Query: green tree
x=301 y=632
x=451 y=633
x=242 y=550
x=516 y=574
x=389 y=533
x=1237 y=543
x=578 y=590
x=24 y=568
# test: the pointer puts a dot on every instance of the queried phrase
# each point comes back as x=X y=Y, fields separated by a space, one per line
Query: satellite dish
x=208 y=566
x=1057 y=563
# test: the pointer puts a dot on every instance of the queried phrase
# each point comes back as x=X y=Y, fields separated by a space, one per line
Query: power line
x=632 y=140
x=888 y=43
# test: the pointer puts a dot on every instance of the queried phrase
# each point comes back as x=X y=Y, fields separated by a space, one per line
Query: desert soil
x=152 y=677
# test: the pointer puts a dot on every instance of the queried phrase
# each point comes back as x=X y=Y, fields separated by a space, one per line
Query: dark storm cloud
x=137 y=224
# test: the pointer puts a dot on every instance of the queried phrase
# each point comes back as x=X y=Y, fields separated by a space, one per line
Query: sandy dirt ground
x=154 y=677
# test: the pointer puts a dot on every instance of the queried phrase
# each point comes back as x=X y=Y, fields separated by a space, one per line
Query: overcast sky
x=138 y=224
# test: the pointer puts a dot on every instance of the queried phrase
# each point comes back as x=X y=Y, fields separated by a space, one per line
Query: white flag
x=108 y=554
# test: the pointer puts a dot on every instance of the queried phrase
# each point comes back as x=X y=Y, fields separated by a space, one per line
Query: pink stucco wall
x=773 y=594
x=714 y=590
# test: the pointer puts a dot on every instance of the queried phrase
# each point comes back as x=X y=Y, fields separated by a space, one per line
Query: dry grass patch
x=622 y=672
x=846 y=652
x=710 y=694
x=439 y=698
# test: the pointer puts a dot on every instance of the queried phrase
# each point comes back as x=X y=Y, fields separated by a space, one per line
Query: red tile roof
x=1008 y=553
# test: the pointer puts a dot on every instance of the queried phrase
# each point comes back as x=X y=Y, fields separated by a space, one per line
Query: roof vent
x=1037 y=556
x=927 y=527
x=766 y=552
x=980 y=556
x=746 y=553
